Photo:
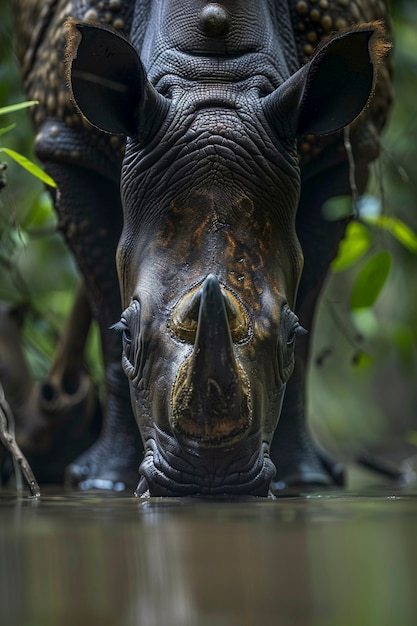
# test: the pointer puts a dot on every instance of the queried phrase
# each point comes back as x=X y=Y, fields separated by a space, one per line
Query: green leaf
x=366 y=322
x=29 y=166
x=6 y=129
x=354 y=245
x=370 y=281
x=17 y=107
x=398 y=229
x=337 y=208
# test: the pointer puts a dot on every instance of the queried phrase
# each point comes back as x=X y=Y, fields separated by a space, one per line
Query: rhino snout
x=211 y=399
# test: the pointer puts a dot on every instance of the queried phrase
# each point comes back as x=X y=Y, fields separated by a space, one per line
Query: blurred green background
x=37 y=273
x=363 y=385
x=363 y=378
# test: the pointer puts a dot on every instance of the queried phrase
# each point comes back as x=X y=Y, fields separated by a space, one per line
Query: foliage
x=362 y=382
x=358 y=241
x=38 y=274
x=23 y=161
x=386 y=222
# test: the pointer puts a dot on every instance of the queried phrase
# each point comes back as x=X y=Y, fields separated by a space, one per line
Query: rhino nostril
x=184 y=318
x=238 y=318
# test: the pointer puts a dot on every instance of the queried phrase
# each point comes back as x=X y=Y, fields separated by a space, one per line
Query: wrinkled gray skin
x=208 y=260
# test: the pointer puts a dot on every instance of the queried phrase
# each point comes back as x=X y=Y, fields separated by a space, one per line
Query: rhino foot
x=316 y=469
x=111 y=464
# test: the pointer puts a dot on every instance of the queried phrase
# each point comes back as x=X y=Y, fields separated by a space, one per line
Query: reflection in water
x=336 y=561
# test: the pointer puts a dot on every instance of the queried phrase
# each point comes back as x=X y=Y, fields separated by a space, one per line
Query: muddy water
x=335 y=560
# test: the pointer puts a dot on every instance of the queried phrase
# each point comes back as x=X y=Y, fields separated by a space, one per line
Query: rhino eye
x=291 y=337
x=290 y=330
x=127 y=338
x=129 y=327
x=296 y=330
x=290 y=326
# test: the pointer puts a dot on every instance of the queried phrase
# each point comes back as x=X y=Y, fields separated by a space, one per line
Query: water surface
x=335 y=560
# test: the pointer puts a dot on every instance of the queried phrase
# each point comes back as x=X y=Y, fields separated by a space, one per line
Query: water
x=335 y=560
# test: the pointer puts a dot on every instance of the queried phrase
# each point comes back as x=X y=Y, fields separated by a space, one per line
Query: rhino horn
x=211 y=398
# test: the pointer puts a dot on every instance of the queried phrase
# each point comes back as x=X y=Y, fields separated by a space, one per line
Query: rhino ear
x=108 y=82
x=333 y=88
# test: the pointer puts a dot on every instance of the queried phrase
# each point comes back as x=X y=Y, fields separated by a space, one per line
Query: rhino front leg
x=300 y=461
x=90 y=217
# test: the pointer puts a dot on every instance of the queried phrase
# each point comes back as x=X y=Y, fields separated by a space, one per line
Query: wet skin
x=239 y=238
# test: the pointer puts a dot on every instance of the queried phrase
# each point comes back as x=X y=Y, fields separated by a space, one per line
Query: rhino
x=193 y=145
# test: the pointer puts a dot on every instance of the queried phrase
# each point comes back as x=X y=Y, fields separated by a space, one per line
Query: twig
x=9 y=441
x=352 y=170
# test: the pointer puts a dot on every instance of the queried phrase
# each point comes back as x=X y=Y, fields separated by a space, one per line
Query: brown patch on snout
x=217 y=427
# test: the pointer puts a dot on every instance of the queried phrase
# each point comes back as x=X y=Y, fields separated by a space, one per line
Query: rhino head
x=209 y=260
